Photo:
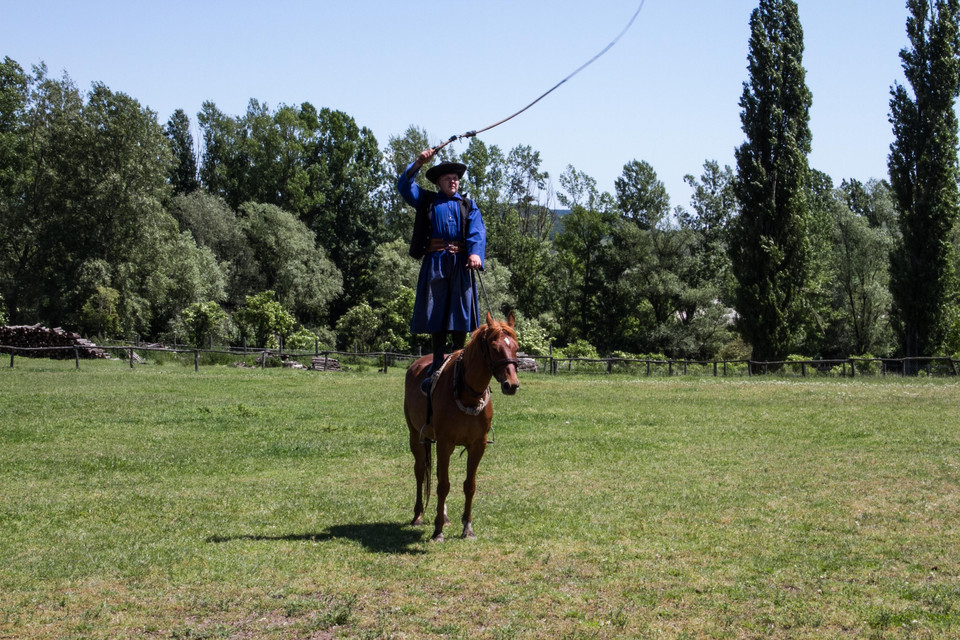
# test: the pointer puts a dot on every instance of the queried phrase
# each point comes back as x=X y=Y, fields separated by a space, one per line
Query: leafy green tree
x=99 y=315
x=40 y=116
x=203 y=322
x=770 y=249
x=641 y=196
x=859 y=275
x=714 y=204
x=400 y=152
x=215 y=226
x=581 y=250
x=289 y=262
x=526 y=191
x=319 y=165
x=394 y=269
x=183 y=174
x=263 y=317
x=87 y=189
x=394 y=330
x=923 y=168
x=358 y=327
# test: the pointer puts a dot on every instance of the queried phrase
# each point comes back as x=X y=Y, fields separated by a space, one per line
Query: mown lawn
x=164 y=503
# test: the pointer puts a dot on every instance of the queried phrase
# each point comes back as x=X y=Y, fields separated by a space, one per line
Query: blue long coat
x=446 y=295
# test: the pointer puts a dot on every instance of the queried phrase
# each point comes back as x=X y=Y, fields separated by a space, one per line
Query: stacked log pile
x=38 y=337
x=325 y=364
x=526 y=363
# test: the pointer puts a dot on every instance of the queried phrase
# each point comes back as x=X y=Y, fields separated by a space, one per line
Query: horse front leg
x=470 y=485
x=444 y=450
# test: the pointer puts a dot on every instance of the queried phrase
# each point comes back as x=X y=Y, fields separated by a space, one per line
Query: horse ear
x=511 y=320
x=489 y=319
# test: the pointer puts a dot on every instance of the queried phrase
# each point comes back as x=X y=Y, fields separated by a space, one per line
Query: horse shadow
x=376 y=537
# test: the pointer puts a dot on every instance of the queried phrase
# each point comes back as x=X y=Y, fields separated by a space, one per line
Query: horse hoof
x=417 y=522
x=469 y=535
x=437 y=538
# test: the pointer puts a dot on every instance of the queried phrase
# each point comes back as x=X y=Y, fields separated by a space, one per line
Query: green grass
x=229 y=503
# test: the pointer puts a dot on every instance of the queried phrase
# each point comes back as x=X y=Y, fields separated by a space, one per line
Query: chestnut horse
x=461 y=413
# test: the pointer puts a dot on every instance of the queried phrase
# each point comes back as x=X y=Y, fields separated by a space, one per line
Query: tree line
x=284 y=224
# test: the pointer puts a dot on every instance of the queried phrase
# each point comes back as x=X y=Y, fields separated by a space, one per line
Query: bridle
x=460 y=382
x=493 y=364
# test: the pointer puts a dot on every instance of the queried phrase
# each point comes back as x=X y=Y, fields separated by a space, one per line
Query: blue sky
x=667 y=93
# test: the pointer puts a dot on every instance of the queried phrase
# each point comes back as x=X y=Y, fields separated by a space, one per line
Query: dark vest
x=421 y=223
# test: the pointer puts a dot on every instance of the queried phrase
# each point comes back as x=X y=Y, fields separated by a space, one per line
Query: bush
x=532 y=337
x=301 y=340
x=866 y=364
x=202 y=322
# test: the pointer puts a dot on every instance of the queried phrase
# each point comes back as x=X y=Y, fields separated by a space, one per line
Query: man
x=450 y=237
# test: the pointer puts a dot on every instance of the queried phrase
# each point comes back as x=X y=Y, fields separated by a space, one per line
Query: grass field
x=164 y=503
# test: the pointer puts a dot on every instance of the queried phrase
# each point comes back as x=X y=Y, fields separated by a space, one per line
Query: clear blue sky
x=667 y=93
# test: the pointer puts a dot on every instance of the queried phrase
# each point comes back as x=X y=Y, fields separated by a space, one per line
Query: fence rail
x=554 y=365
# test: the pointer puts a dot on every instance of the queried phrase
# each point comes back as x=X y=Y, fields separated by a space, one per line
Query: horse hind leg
x=443 y=488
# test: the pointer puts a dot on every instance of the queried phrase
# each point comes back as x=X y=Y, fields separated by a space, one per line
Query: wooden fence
x=553 y=365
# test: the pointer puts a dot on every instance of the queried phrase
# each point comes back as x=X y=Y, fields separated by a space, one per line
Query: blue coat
x=446 y=294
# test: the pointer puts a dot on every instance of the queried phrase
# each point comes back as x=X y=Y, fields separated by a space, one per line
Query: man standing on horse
x=450 y=237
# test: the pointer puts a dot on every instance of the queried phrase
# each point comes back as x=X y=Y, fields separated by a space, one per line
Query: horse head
x=500 y=351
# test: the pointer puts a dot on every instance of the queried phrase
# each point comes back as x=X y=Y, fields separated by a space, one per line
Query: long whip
x=471 y=134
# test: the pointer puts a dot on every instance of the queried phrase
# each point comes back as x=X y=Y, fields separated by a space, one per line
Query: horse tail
x=428 y=451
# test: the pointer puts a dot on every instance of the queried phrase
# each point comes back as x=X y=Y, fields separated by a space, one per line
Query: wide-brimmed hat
x=442 y=169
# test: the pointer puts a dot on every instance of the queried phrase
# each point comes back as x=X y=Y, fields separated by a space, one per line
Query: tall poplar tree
x=770 y=250
x=924 y=172
x=183 y=172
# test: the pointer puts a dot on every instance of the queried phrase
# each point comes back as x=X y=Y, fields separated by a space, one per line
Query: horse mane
x=488 y=328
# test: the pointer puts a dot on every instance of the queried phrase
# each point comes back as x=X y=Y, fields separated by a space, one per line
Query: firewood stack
x=36 y=336
x=320 y=363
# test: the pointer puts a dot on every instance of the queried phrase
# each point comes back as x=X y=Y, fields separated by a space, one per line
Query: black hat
x=442 y=169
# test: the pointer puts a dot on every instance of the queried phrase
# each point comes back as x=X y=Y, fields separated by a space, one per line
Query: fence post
x=724 y=368
x=853 y=368
x=76 y=355
x=803 y=369
x=263 y=361
x=131 y=354
x=610 y=366
x=196 y=360
x=11 y=357
x=714 y=368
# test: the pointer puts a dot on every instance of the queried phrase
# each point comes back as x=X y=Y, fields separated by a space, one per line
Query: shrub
x=202 y=322
x=532 y=337
x=301 y=340
x=865 y=364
